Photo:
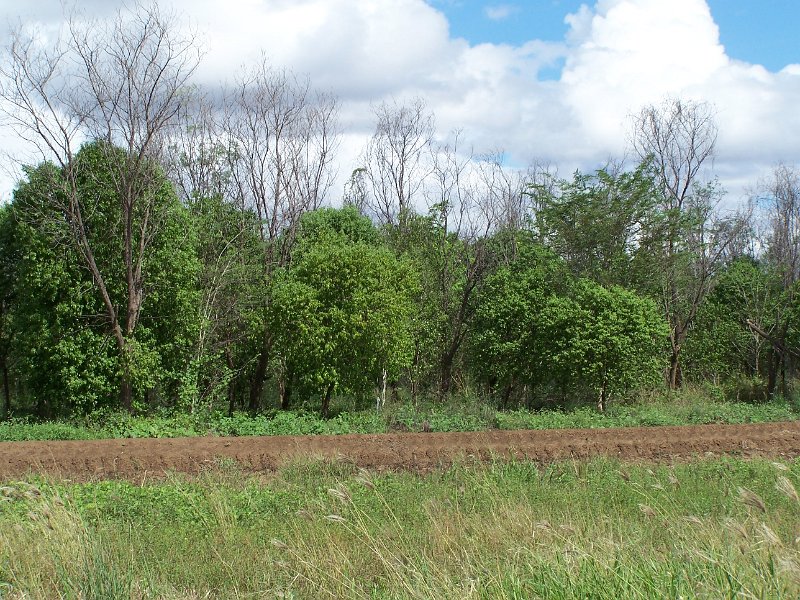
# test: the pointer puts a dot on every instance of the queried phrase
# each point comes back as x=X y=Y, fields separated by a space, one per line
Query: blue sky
x=765 y=32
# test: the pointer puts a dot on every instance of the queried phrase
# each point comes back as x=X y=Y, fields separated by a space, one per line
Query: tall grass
x=716 y=528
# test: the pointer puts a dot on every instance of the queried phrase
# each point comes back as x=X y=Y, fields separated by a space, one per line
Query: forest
x=186 y=249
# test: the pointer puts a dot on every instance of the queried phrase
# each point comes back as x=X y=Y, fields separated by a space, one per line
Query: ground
x=140 y=458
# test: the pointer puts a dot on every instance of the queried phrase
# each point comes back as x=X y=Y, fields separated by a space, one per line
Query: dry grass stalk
x=341 y=493
x=335 y=518
x=738 y=528
x=790 y=567
x=692 y=520
x=750 y=498
x=647 y=511
x=770 y=537
x=786 y=487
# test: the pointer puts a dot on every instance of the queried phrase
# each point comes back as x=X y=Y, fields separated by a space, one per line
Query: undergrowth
x=687 y=408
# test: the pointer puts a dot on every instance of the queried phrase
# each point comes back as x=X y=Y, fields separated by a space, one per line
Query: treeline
x=179 y=250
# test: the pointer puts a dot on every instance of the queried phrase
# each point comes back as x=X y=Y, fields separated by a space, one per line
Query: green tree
x=61 y=324
x=8 y=275
x=232 y=296
x=684 y=248
x=341 y=312
x=127 y=81
x=723 y=342
x=508 y=347
x=595 y=222
x=608 y=339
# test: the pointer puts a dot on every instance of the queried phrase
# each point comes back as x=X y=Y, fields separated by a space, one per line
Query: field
x=690 y=511
x=711 y=528
x=137 y=458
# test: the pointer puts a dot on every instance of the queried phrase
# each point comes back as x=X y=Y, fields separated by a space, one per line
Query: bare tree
x=687 y=248
x=467 y=198
x=395 y=159
x=121 y=82
x=199 y=162
x=282 y=139
x=197 y=157
x=779 y=199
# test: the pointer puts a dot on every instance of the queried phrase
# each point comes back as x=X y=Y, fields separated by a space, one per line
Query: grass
x=598 y=529
x=688 y=408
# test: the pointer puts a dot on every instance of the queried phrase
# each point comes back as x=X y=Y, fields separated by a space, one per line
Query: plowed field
x=136 y=458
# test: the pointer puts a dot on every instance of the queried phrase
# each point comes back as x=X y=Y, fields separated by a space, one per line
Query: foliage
x=509 y=345
x=534 y=326
x=595 y=221
x=690 y=407
x=64 y=344
x=609 y=339
x=341 y=313
x=230 y=314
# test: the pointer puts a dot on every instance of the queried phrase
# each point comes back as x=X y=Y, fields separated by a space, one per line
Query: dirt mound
x=136 y=458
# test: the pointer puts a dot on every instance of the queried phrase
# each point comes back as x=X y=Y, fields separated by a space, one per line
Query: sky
x=545 y=81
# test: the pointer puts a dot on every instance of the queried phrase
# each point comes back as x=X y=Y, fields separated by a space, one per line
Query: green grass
x=688 y=408
x=709 y=529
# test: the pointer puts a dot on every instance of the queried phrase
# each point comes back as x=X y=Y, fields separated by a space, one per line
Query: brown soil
x=138 y=458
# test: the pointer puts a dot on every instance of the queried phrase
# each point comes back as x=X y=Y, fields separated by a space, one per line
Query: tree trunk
x=675 y=374
x=382 y=397
x=231 y=382
x=326 y=401
x=126 y=393
x=784 y=382
x=446 y=372
x=257 y=385
x=286 y=389
x=602 y=401
x=509 y=389
x=6 y=410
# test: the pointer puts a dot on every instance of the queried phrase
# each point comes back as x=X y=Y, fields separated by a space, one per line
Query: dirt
x=139 y=458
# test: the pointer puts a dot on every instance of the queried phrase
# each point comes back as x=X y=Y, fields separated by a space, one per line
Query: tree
x=341 y=312
x=449 y=247
x=507 y=345
x=281 y=139
x=779 y=198
x=608 y=339
x=395 y=160
x=232 y=298
x=231 y=251
x=537 y=328
x=685 y=247
x=725 y=341
x=63 y=340
x=595 y=222
x=122 y=83
x=9 y=260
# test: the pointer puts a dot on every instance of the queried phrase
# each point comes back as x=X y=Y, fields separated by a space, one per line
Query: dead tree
x=282 y=138
x=678 y=139
x=121 y=82
x=395 y=160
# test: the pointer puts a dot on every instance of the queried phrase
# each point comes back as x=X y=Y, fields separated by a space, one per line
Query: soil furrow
x=130 y=458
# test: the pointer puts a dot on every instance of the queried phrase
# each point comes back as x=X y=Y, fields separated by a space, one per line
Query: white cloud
x=617 y=56
x=500 y=12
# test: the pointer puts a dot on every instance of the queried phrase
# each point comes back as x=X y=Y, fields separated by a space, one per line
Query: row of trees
x=173 y=248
